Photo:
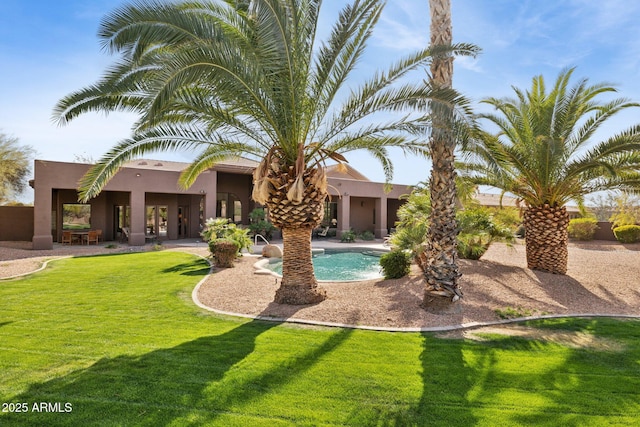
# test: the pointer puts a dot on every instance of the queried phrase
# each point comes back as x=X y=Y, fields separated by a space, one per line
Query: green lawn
x=118 y=339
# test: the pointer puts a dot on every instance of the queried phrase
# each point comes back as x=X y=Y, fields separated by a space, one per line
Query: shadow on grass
x=569 y=385
x=187 y=269
x=193 y=383
x=446 y=380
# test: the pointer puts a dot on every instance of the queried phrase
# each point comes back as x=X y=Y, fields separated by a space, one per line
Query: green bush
x=478 y=229
x=627 y=233
x=410 y=238
x=259 y=224
x=506 y=217
x=473 y=246
x=224 y=252
x=582 y=228
x=395 y=264
x=348 y=236
x=219 y=228
x=367 y=235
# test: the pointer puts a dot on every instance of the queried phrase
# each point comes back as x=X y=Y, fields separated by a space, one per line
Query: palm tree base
x=299 y=295
x=441 y=278
x=547 y=238
x=439 y=305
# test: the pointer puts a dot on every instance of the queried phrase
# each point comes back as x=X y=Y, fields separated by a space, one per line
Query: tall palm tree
x=439 y=260
x=14 y=167
x=544 y=153
x=231 y=78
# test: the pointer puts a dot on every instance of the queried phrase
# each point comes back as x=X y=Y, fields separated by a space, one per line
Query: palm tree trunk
x=546 y=238
x=440 y=259
x=299 y=285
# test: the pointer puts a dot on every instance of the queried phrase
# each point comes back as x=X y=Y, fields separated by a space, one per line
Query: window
x=229 y=206
x=157 y=221
x=76 y=216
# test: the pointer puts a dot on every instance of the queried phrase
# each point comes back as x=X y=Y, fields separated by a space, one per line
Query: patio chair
x=67 y=238
x=92 y=237
x=124 y=237
x=99 y=231
x=323 y=232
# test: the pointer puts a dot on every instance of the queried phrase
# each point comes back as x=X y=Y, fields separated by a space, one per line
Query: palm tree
x=14 y=167
x=544 y=153
x=439 y=260
x=232 y=78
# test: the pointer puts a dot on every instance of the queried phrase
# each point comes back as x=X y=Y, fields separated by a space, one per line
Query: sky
x=49 y=49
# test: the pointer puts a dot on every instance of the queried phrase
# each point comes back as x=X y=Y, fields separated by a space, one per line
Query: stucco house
x=143 y=201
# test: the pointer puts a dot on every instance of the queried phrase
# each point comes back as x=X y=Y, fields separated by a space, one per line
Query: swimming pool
x=341 y=265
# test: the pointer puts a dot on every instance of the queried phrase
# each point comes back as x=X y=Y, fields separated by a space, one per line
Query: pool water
x=342 y=265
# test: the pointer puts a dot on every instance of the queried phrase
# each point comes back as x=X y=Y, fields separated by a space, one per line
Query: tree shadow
x=447 y=381
x=579 y=385
x=605 y=245
x=187 y=269
x=193 y=383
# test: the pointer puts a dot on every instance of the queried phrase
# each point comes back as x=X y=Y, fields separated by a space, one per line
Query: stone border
x=42 y=267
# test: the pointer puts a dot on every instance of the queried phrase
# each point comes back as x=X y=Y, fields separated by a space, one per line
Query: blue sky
x=50 y=48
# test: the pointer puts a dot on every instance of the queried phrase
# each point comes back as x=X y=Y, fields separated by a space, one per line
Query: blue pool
x=341 y=265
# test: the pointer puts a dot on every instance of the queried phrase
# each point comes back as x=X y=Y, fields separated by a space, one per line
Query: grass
x=118 y=338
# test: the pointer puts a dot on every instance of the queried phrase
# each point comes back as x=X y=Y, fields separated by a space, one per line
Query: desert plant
x=627 y=233
x=216 y=228
x=506 y=217
x=224 y=252
x=626 y=211
x=413 y=221
x=395 y=264
x=513 y=313
x=582 y=228
x=348 y=236
x=258 y=224
x=473 y=246
x=367 y=235
x=478 y=230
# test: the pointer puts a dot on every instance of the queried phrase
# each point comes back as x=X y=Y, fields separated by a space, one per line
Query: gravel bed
x=602 y=278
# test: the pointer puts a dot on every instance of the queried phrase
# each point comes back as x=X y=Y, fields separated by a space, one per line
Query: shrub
x=473 y=246
x=627 y=233
x=506 y=217
x=367 y=235
x=348 y=236
x=410 y=238
x=395 y=264
x=259 y=224
x=582 y=228
x=221 y=228
x=478 y=229
x=224 y=252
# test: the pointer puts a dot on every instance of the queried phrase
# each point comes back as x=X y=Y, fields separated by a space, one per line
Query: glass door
x=183 y=222
x=157 y=221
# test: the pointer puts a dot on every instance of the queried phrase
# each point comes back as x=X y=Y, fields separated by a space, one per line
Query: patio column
x=42 y=206
x=381 y=217
x=344 y=214
x=138 y=217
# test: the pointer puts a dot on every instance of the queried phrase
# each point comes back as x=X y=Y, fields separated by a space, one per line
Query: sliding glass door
x=157 y=222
